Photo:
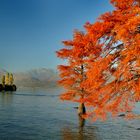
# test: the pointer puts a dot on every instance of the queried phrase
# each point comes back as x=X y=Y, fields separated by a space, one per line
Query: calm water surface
x=40 y=115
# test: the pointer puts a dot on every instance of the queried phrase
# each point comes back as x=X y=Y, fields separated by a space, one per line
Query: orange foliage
x=103 y=67
x=73 y=74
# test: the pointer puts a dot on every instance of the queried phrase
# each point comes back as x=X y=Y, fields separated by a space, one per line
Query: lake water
x=40 y=115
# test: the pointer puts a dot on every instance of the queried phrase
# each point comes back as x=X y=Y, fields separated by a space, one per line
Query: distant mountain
x=37 y=78
x=42 y=77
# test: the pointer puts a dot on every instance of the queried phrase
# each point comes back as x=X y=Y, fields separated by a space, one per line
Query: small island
x=7 y=83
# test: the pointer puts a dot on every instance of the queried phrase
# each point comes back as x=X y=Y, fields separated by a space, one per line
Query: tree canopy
x=109 y=50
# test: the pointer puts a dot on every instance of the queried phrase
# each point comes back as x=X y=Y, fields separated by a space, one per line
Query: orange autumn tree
x=112 y=74
x=113 y=80
x=73 y=74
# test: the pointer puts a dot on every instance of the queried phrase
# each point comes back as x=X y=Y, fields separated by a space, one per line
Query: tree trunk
x=81 y=109
x=81 y=122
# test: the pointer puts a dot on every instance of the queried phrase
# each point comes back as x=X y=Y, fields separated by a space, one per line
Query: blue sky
x=32 y=30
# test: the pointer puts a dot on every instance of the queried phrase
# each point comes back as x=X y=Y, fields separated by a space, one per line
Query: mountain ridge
x=41 y=77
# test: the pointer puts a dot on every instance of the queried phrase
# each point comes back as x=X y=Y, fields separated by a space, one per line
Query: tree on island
x=7 y=83
x=7 y=79
x=3 y=80
x=112 y=76
x=11 y=79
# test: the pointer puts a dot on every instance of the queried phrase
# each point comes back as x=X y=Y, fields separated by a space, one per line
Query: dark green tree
x=7 y=79
x=11 y=79
x=3 y=80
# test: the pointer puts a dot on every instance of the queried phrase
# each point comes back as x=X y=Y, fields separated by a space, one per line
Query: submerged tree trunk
x=81 y=122
x=81 y=109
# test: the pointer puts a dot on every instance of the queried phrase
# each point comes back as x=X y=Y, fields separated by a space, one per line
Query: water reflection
x=45 y=117
x=6 y=97
x=82 y=132
x=81 y=122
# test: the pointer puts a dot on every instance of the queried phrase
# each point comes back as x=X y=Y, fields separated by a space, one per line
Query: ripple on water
x=40 y=115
